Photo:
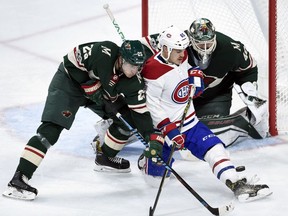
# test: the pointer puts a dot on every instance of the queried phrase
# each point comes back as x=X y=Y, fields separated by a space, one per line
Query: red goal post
x=261 y=25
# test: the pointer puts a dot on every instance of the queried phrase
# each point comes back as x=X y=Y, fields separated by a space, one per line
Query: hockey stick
x=152 y=209
x=215 y=211
x=117 y=27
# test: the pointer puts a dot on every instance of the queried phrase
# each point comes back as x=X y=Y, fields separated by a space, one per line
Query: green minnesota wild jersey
x=230 y=63
x=93 y=61
x=96 y=61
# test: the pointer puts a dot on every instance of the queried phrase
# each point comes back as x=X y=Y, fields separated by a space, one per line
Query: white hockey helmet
x=173 y=38
x=203 y=38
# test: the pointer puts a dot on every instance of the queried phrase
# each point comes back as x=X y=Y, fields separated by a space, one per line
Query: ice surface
x=34 y=37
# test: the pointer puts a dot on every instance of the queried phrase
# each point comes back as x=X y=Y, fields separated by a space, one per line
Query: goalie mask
x=133 y=56
x=203 y=39
x=173 y=38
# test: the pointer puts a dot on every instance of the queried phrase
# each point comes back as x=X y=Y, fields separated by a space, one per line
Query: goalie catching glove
x=196 y=80
x=250 y=92
x=155 y=147
x=257 y=107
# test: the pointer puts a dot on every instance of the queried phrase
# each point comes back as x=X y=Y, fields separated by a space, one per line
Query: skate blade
x=260 y=195
x=16 y=194
x=99 y=168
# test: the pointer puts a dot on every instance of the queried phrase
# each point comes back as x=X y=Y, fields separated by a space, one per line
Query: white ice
x=34 y=36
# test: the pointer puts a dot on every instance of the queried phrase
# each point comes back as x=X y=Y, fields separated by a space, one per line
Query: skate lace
x=25 y=179
x=115 y=159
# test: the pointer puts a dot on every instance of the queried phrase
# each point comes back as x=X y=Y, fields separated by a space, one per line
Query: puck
x=240 y=168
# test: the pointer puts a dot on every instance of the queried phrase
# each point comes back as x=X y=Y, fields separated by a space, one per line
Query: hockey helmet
x=203 y=38
x=173 y=38
x=132 y=51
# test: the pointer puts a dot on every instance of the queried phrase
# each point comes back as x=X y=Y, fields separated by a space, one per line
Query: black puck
x=240 y=168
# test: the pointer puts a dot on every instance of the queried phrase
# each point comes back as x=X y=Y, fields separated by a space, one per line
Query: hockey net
x=246 y=21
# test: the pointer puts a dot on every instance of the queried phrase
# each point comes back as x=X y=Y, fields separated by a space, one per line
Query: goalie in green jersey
x=100 y=76
x=226 y=64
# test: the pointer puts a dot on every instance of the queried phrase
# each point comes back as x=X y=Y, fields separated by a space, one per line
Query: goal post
x=260 y=25
x=272 y=23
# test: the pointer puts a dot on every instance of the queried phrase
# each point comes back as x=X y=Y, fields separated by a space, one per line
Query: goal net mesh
x=243 y=20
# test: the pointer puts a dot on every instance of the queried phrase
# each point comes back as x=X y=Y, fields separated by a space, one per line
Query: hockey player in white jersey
x=226 y=63
x=169 y=79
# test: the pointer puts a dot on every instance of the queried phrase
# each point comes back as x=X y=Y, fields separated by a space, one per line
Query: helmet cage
x=203 y=37
x=204 y=47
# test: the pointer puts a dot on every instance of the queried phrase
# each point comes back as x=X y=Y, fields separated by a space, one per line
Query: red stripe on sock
x=31 y=150
x=219 y=162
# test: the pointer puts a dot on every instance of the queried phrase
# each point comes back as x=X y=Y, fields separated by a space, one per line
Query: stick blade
x=224 y=210
x=151 y=211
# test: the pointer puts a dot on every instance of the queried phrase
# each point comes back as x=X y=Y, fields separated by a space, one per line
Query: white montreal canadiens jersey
x=167 y=91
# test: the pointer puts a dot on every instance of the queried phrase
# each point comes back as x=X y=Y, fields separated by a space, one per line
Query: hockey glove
x=171 y=131
x=196 y=79
x=93 y=91
x=155 y=147
x=114 y=106
x=250 y=92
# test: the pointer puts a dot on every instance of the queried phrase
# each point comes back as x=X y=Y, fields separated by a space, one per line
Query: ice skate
x=18 y=188
x=110 y=164
x=245 y=192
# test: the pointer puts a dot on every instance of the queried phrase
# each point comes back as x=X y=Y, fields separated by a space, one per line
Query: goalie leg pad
x=233 y=128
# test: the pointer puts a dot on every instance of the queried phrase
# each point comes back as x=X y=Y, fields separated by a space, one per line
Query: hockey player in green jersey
x=97 y=75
